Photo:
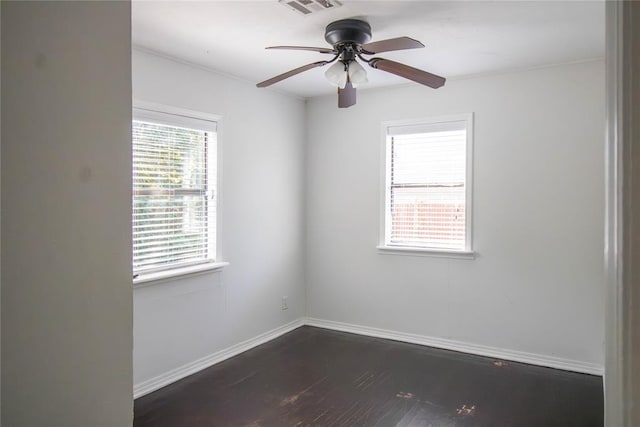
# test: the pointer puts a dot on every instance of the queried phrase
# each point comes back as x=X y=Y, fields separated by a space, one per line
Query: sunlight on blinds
x=427 y=189
x=173 y=210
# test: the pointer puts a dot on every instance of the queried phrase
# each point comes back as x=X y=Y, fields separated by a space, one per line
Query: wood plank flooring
x=317 y=377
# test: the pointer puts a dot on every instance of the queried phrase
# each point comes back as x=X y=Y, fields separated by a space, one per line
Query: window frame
x=180 y=117
x=384 y=247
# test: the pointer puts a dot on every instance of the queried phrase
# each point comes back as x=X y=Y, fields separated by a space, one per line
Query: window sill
x=150 y=278
x=437 y=253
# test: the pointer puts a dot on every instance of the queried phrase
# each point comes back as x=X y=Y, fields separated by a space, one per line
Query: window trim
x=385 y=150
x=178 y=272
x=181 y=117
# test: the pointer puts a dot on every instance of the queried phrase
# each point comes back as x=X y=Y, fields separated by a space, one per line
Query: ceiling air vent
x=307 y=7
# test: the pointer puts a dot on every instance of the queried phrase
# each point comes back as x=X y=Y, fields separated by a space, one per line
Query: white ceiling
x=461 y=38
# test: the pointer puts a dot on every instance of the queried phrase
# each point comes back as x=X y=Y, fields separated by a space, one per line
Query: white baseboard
x=481 y=350
x=183 y=371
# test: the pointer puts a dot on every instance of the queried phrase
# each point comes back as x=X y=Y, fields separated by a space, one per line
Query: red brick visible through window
x=428 y=222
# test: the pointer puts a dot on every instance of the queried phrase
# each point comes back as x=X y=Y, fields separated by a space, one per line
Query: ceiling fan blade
x=347 y=96
x=290 y=73
x=408 y=72
x=314 y=49
x=388 y=45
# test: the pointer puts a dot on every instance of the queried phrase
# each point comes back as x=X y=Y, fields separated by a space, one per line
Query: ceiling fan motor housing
x=347 y=31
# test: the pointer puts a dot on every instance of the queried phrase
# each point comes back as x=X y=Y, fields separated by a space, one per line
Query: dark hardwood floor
x=317 y=377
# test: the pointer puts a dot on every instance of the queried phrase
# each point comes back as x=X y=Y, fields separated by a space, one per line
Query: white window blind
x=426 y=194
x=174 y=183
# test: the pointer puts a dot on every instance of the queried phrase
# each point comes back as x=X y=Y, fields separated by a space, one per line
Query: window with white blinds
x=174 y=191
x=427 y=194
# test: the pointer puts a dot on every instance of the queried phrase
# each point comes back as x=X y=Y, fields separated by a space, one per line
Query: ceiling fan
x=350 y=40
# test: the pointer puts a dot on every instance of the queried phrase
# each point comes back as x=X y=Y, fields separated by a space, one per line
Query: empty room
x=316 y=213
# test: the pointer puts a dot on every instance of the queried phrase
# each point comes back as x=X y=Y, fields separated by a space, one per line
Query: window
x=174 y=191
x=427 y=200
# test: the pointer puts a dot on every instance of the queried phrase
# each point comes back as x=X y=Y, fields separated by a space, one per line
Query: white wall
x=179 y=321
x=536 y=285
x=66 y=203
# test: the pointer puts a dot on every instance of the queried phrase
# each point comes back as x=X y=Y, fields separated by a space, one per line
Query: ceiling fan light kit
x=349 y=39
x=337 y=75
x=357 y=74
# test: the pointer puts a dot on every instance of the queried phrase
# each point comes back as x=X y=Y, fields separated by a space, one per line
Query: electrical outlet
x=284 y=303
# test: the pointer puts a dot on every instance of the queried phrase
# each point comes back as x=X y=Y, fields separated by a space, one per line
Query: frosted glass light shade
x=336 y=75
x=357 y=74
